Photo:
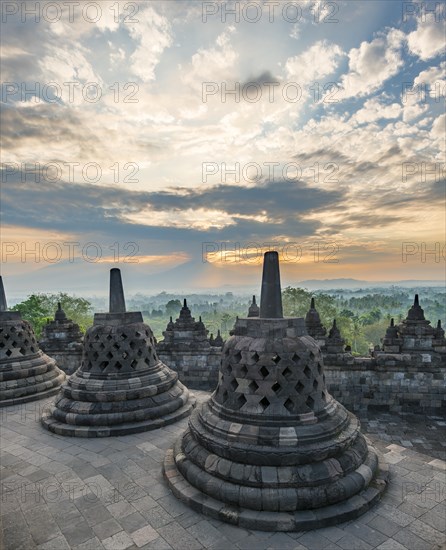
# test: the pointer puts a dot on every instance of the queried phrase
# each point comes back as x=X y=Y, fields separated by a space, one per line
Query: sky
x=180 y=140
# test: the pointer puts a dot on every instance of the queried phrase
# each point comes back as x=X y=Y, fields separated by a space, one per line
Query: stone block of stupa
x=26 y=372
x=272 y=449
x=121 y=386
x=62 y=340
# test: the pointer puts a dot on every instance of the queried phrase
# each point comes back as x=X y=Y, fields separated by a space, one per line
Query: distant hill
x=192 y=276
x=332 y=284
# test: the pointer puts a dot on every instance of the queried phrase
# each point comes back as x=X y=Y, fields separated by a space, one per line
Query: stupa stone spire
x=26 y=372
x=272 y=449
x=121 y=386
x=271 y=296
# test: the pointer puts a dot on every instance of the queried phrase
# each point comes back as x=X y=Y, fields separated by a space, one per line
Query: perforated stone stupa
x=121 y=386
x=26 y=373
x=62 y=340
x=272 y=449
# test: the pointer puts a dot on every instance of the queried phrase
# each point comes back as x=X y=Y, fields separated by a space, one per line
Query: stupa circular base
x=128 y=428
x=299 y=520
x=20 y=400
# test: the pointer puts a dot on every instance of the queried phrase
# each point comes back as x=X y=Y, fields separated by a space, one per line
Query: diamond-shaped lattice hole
x=8 y=353
x=124 y=336
x=12 y=329
x=132 y=344
x=2 y=345
x=319 y=368
x=253 y=387
x=295 y=358
x=312 y=356
x=324 y=396
x=96 y=337
x=233 y=384
x=299 y=387
x=147 y=333
x=264 y=372
x=95 y=355
x=276 y=388
x=287 y=373
x=237 y=357
x=276 y=358
x=240 y=401
x=23 y=351
x=315 y=385
x=244 y=370
x=103 y=365
x=134 y=364
x=255 y=356
x=224 y=396
x=138 y=334
x=109 y=337
x=309 y=402
x=7 y=336
x=289 y=405
x=118 y=365
x=14 y=344
x=125 y=355
x=264 y=403
x=139 y=352
x=109 y=355
x=229 y=368
x=102 y=345
x=116 y=346
x=307 y=371
x=147 y=360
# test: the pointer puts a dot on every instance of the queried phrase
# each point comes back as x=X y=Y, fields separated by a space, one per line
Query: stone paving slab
x=58 y=493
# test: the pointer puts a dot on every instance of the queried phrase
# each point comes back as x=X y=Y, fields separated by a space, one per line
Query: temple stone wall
x=198 y=370
x=400 y=387
x=68 y=361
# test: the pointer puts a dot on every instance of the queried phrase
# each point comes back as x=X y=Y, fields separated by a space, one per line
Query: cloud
x=374 y=110
x=372 y=64
x=428 y=39
x=215 y=64
x=153 y=34
x=318 y=61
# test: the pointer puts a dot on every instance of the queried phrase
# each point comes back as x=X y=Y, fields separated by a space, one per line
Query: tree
x=38 y=308
x=173 y=307
x=296 y=303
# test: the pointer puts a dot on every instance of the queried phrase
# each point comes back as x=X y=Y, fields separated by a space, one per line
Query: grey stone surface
x=187 y=350
x=26 y=373
x=271 y=449
x=121 y=386
x=66 y=495
x=62 y=340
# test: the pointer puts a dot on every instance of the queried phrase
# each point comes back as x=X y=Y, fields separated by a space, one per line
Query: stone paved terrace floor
x=60 y=493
